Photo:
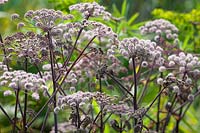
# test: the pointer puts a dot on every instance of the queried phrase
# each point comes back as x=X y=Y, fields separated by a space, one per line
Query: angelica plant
x=87 y=79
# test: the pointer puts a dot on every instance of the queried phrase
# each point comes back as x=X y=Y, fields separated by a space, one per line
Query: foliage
x=16 y=6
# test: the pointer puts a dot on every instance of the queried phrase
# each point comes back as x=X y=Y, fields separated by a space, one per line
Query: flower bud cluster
x=47 y=67
x=76 y=99
x=160 y=27
x=103 y=99
x=184 y=62
x=44 y=19
x=139 y=113
x=26 y=45
x=101 y=30
x=91 y=10
x=141 y=49
x=22 y=80
x=183 y=88
x=66 y=31
x=85 y=67
x=95 y=64
x=119 y=109
x=3 y=67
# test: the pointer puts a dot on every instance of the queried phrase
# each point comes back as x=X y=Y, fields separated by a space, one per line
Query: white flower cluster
x=44 y=18
x=27 y=45
x=160 y=27
x=100 y=30
x=185 y=62
x=120 y=109
x=3 y=67
x=91 y=9
x=20 y=79
x=145 y=49
x=76 y=99
x=47 y=67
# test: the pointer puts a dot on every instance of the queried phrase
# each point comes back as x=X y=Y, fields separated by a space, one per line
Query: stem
x=16 y=104
x=95 y=120
x=43 y=107
x=181 y=109
x=54 y=82
x=121 y=127
x=178 y=121
x=101 y=116
x=167 y=119
x=154 y=100
x=38 y=70
x=151 y=119
x=135 y=84
x=74 y=63
x=183 y=114
x=120 y=84
x=20 y=109
x=135 y=91
x=10 y=120
x=138 y=73
x=59 y=86
x=158 y=109
x=71 y=52
x=25 y=99
x=107 y=118
x=195 y=95
x=146 y=84
x=78 y=117
x=4 y=52
x=45 y=120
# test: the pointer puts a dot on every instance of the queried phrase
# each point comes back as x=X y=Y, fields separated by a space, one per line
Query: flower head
x=25 y=81
x=160 y=27
x=141 y=49
x=91 y=10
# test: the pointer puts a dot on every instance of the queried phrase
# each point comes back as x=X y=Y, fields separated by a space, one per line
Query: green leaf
x=185 y=43
x=116 y=11
x=132 y=19
x=124 y=6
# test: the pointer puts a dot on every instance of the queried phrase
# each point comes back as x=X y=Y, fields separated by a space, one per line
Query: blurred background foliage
x=128 y=16
x=20 y=7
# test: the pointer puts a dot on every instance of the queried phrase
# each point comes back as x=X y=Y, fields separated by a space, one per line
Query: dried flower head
x=178 y=86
